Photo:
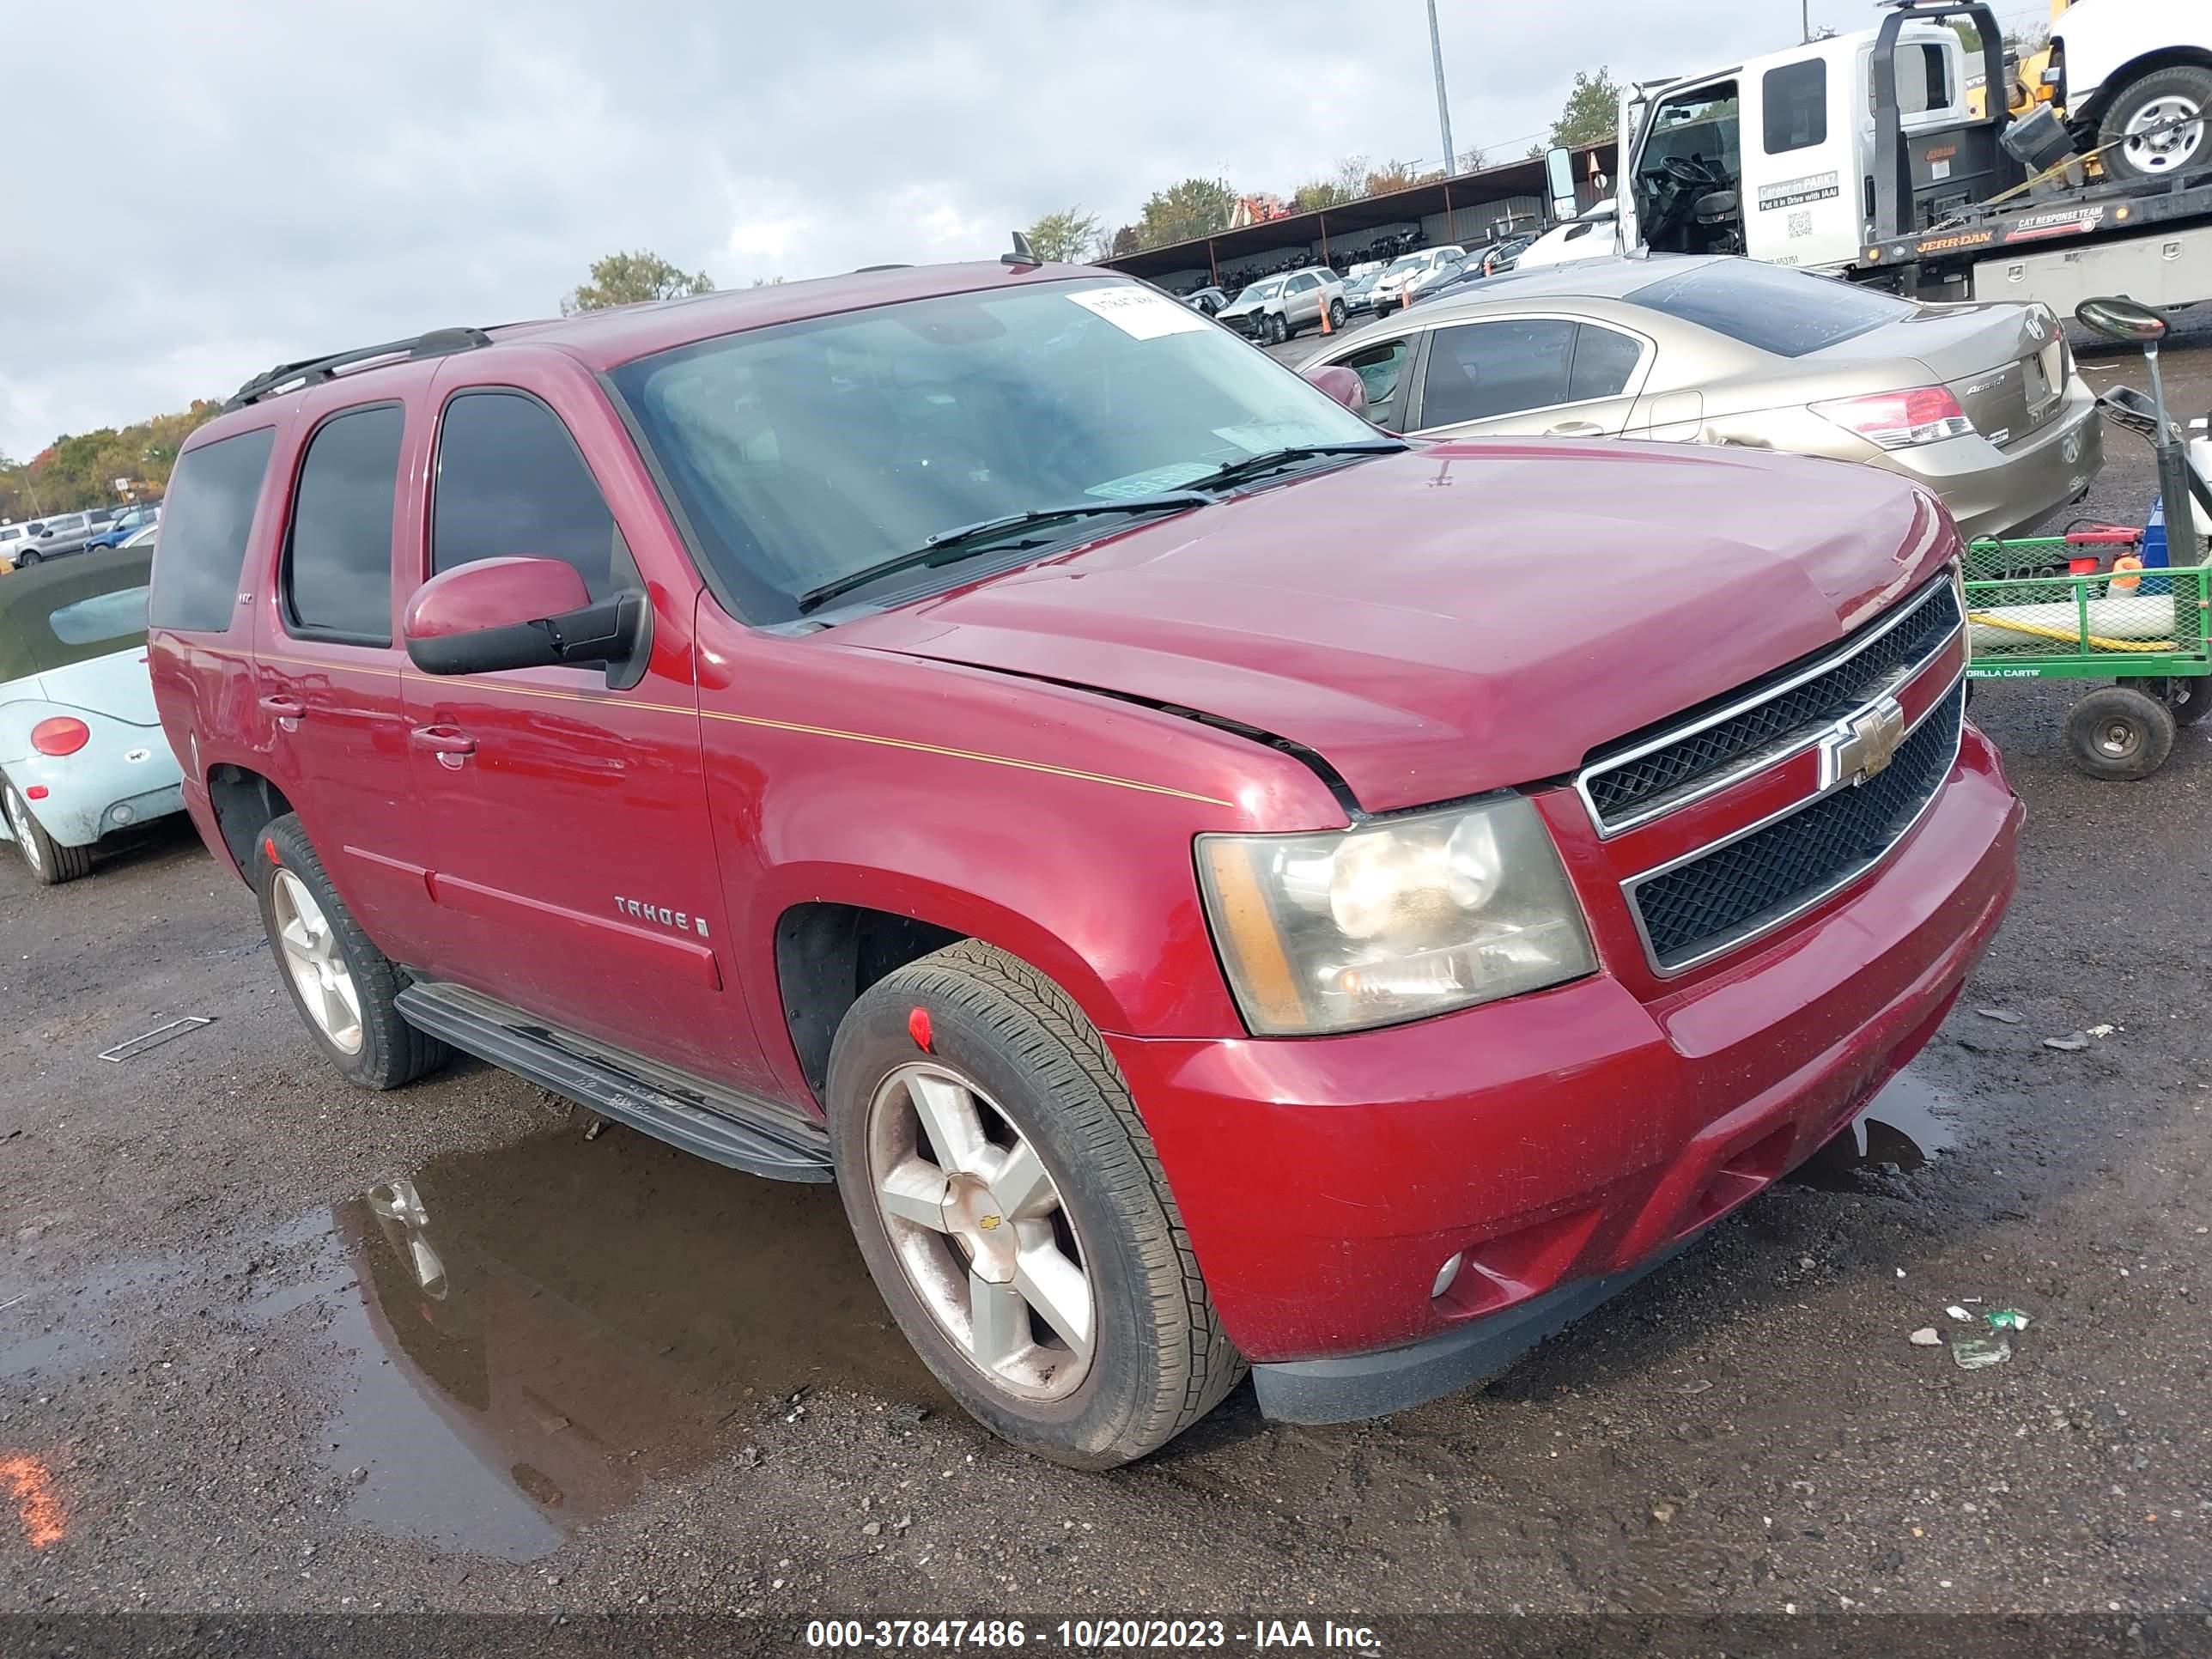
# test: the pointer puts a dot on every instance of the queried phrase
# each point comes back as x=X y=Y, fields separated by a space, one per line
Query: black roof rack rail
x=313 y=371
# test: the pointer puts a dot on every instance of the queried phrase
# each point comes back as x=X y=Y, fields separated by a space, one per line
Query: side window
x=1795 y=97
x=1482 y=370
x=1924 y=79
x=511 y=483
x=204 y=526
x=1605 y=358
x=338 y=557
x=1381 y=371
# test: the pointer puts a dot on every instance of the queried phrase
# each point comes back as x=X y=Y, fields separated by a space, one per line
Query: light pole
x=1444 y=108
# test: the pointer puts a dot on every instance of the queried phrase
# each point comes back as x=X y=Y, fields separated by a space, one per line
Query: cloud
x=254 y=181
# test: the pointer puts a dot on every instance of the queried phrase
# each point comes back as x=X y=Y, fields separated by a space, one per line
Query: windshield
x=1409 y=262
x=803 y=453
x=1260 y=290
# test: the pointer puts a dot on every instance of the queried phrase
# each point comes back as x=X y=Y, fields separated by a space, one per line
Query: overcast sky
x=195 y=192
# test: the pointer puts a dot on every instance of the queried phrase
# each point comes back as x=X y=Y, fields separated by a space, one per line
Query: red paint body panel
x=1432 y=625
x=1325 y=1180
x=1510 y=607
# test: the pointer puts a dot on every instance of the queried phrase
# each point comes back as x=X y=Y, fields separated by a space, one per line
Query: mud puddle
x=532 y=1335
x=51 y=1333
x=1908 y=1126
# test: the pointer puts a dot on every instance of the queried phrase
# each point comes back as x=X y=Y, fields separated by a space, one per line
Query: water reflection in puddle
x=535 y=1332
x=1906 y=1127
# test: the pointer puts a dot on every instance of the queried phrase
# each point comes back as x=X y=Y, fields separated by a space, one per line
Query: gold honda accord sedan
x=1979 y=402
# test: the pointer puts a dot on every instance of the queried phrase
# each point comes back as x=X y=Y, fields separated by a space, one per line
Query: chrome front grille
x=1856 y=739
x=1648 y=774
x=1722 y=894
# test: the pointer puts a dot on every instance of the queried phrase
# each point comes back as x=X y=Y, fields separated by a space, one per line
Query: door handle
x=288 y=710
x=1575 y=429
x=448 y=743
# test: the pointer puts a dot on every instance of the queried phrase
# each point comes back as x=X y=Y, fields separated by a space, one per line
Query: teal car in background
x=82 y=750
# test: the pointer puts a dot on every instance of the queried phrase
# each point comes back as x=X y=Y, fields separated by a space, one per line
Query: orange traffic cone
x=1325 y=328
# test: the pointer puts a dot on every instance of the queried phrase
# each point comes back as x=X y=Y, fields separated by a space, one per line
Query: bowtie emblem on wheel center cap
x=974 y=1217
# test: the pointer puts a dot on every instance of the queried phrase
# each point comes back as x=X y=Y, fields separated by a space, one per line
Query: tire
x=1032 y=1071
x=2189 y=698
x=2118 y=734
x=28 y=557
x=1335 y=315
x=2180 y=90
x=46 y=858
x=1279 y=329
x=381 y=1050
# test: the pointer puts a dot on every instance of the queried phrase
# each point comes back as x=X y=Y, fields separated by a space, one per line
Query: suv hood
x=1460 y=617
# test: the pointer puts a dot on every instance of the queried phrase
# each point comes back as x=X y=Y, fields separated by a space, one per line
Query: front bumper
x=1564 y=1142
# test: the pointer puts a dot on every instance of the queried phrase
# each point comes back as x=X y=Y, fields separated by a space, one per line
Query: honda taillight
x=60 y=736
x=1901 y=420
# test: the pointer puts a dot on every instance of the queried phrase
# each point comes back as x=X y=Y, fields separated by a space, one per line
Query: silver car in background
x=1274 y=308
x=1979 y=402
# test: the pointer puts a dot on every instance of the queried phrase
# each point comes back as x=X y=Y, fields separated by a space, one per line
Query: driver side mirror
x=525 y=613
x=1341 y=384
x=2118 y=318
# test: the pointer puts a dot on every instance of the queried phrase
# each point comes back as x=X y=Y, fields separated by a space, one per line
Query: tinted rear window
x=1788 y=313
x=338 y=562
x=204 y=524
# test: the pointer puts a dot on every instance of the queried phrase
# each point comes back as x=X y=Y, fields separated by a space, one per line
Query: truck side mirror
x=1559 y=181
x=2118 y=318
x=525 y=613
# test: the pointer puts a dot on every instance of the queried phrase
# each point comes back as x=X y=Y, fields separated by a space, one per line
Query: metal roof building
x=1463 y=209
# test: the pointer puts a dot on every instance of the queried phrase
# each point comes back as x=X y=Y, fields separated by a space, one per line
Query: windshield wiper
x=1254 y=466
x=947 y=545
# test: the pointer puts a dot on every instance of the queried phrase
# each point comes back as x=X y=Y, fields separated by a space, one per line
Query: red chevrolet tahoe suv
x=1216 y=885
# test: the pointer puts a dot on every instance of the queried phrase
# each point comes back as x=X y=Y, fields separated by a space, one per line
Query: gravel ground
x=604 y=1375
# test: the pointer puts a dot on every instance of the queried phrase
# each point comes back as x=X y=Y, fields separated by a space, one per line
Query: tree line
x=74 y=473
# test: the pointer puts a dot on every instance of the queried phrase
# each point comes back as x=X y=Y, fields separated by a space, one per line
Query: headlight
x=1348 y=928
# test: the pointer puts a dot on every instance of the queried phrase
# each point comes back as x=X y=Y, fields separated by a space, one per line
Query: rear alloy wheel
x=343 y=987
x=47 y=857
x=1336 y=313
x=2119 y=735
x=2157 y=128
x=1012 y=1212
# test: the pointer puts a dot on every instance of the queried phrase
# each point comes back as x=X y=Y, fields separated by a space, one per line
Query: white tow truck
x=1864 y=156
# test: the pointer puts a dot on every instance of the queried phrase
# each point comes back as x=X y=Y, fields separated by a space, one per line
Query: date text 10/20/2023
x=1093 y=1635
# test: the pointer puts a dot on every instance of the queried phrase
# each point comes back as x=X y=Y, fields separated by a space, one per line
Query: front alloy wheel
x=980 y=1230
x=1011 y=1210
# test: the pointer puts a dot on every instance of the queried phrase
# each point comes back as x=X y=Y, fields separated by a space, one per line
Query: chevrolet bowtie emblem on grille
x=1863 y=744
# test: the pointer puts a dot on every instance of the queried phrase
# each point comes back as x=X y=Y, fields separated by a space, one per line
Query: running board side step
x=710 y=1120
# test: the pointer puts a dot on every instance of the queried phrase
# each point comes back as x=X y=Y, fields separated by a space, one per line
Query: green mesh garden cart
x=2149 y=631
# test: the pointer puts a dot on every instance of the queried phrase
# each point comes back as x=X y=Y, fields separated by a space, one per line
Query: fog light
x=124 y=815
x=1449 y=1271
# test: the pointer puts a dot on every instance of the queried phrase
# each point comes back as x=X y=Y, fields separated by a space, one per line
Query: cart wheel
x=2118 y=734
x=2189 y=698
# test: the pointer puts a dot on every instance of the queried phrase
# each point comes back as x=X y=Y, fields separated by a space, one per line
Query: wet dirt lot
x=267 y=1342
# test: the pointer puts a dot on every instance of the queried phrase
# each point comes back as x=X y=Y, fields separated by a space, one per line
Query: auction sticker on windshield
x=1138 y=312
